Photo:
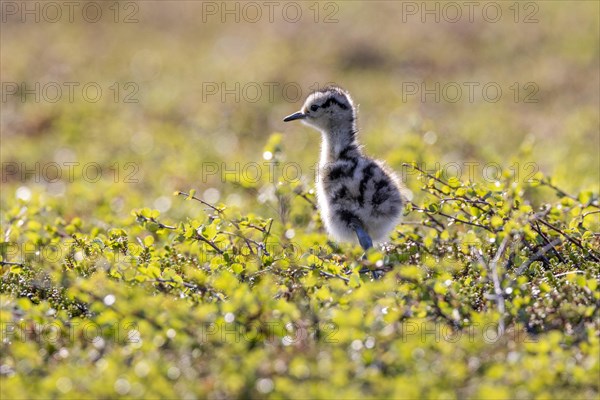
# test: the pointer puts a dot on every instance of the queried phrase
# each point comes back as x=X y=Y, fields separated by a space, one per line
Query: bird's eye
x=314 y=107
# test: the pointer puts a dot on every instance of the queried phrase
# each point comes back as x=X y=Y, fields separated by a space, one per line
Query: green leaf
x=209 y=231
x=313 y=260
x=454 y=182
x=496 y=221
x=237 y=268
x=153 y=271
x=355 y=280
x=585 y=197
x=544 y=287
x=445 y=235
x=148 y=240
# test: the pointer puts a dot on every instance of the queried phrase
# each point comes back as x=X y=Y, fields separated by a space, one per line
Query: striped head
x=330 y=108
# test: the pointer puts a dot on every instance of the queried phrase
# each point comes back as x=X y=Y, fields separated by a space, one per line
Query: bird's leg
x=365 y=241
x=363 y=237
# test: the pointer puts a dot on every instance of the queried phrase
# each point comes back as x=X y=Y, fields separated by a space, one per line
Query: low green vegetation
x=483 y=295
x=180 y=254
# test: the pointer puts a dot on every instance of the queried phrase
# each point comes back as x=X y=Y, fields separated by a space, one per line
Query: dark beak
x=294 y=116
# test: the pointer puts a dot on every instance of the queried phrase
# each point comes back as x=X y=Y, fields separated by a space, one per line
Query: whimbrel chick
x=359 y=198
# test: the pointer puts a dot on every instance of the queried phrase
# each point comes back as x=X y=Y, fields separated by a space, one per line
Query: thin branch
x=538 y=255
x=561 y=274
x=589 y=213
x=570 y=239
x=194 y=286
x=497 y=287
x=467 y=222
x=539 y=232
x=11 y=263
x=186 y=284
x=460 y=220
x=268 y=230
x=543 y=258
x=467 y=200
x=567 y=273
x=563 y=193
x=429 y=214
x=438 y=223
x=157 y=222
x=464 y=200
x=498 y=293
x=209 y=242
x=258 y=228
x=218 y=210
x=11 y=221
x=305 y=197
x=325 y=273
x=411 y=241
x=425 y=173
x=546 y=182
x=259 y=246
x=246 y=240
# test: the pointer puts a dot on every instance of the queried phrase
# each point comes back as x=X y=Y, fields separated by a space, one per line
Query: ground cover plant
x=163 y=240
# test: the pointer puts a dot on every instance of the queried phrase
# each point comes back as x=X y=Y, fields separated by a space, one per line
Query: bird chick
x=359 y=197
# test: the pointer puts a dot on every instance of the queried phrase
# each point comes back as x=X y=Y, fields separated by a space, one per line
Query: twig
x=11 y=221
x=467 y=222
x=218 y=210
x=538 y=255
x=246 y=240
x=589 y=213
x=186 y=284
x=157 y=222
x=472 y=202
x=567 y=273
x=258 y=228
x=201 y=288
x=497 y=287
x=425 y=173
x=209 y=242
x=498 y=293
x=259 y=246
x=327 y=274
x=410 y=241
x=560 y=191
x=570 y=239
x=268 y=230
x=438 y=223
x=539 y=231
x=12 y=263
x=305 y=197
x=467 y=200
x=456 y=219
x=464 y=200
x=563 y=193
x=543 y=258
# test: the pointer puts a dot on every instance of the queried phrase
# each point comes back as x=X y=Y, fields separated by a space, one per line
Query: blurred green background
x=194 y=68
